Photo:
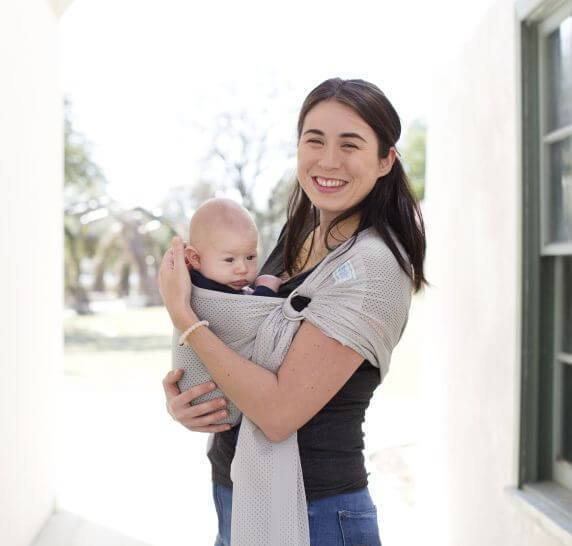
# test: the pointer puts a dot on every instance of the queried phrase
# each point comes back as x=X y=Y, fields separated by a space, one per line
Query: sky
x=143 y=74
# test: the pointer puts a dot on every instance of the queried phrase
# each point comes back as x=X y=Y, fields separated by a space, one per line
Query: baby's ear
x=192 y=257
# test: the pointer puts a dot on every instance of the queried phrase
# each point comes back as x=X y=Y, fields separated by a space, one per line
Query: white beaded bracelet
x=192 y=328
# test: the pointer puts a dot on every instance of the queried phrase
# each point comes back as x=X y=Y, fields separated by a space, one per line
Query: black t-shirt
x=330 y=443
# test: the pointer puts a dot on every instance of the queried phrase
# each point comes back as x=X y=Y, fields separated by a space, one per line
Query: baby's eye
x=253 y=257
x=229 y=260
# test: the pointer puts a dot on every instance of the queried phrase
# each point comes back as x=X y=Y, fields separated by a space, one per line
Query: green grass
x=119 y=350
x=86 y=331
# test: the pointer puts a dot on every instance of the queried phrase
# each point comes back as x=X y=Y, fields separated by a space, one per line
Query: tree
x=253 y=167
x=180 y=201
x=84 y=187
x=99 y=230
x=414 y=150
x=130 y=241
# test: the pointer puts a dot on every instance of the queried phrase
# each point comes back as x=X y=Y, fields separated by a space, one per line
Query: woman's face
x=337 y=157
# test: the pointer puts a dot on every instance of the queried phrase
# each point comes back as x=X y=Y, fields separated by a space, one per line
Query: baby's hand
x=270 y=281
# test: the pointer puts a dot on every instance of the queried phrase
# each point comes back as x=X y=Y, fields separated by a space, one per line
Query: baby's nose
x=240 y=266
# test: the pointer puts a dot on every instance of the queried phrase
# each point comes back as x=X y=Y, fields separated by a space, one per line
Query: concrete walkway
x=67 y=529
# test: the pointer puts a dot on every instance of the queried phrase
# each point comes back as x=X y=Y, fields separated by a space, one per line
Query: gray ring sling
x=361 y=298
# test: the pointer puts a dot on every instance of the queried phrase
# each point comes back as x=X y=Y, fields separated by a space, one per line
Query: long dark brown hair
x=391 y=201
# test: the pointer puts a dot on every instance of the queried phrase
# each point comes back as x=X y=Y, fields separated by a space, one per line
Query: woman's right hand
x=200 y=417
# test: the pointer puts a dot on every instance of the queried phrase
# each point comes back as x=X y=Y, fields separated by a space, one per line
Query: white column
x=31 y=173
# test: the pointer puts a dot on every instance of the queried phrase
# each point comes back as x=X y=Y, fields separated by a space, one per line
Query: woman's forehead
x=333 y=118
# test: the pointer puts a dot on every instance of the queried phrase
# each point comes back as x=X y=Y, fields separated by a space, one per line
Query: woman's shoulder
x=370 y=240
x=379 y=258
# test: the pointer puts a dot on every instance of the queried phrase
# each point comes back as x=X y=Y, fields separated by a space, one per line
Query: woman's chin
x=327 y=205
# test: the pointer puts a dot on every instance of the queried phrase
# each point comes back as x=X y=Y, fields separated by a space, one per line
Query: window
x=546 y=424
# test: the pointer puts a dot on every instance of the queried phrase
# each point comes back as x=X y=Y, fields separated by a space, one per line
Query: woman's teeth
x=329 y=182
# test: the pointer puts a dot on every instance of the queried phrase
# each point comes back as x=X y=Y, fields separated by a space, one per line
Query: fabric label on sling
x=345 y=272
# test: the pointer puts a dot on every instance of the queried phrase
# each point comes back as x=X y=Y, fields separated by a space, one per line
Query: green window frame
x=545 y=462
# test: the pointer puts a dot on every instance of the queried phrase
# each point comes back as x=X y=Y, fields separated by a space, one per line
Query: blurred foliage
x=83 y=179
x=104 y=242
x=84 y=185
x=251 y=159
x=414 y=152
x=180 y=202
x=103 y=237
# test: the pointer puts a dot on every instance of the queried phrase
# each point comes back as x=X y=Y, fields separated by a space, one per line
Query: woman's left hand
x=175 y=282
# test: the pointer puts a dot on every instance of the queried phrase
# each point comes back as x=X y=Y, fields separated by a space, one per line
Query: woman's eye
x=320 y=142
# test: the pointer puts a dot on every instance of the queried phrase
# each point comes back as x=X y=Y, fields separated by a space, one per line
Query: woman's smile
x=328 y=185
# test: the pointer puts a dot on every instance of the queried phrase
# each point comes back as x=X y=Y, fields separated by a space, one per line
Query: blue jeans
x=347 y=519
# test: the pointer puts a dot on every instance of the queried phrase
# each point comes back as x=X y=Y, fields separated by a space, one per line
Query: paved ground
x=127 y=468
x=67 y=529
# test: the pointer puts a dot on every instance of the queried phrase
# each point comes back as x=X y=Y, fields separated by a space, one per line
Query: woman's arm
x=314 y=369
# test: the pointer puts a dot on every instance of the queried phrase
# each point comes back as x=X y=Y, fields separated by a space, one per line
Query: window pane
x=567 y=315
x=567 y=413
x=561 y=191
x=560 y=75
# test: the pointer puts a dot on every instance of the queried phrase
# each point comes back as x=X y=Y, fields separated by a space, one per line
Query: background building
x=499 y=321
x=31 y=170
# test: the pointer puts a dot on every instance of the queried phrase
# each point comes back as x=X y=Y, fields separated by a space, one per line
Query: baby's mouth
x=240 y=284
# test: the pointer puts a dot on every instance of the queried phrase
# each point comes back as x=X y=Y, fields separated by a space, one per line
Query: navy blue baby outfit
x=198 y=279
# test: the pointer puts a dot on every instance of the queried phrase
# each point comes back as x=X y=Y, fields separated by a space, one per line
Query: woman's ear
x=386 y=163
x=192 y=257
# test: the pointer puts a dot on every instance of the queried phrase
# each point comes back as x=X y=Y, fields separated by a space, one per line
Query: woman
x=348 y=179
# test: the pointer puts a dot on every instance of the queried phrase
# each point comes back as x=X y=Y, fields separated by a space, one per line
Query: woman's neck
x=341 y=232
x=313 y=250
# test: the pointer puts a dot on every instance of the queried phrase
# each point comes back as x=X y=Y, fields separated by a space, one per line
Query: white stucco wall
x=472 y=344
x=31 y=256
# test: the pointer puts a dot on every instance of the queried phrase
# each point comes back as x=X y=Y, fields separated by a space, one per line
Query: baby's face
x=230 y=257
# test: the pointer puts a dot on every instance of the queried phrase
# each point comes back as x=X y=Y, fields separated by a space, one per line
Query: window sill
x=549 y=504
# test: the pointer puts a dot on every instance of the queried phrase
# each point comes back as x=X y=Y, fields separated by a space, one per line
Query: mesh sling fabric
x=359 y=296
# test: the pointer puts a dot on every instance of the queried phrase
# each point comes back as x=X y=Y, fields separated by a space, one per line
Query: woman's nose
x=330 y=158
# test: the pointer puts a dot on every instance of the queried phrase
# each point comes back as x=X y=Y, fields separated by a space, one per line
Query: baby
x=222 y=250
x=222 y=255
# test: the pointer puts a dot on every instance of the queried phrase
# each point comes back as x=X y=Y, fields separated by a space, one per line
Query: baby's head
x=223 y=243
